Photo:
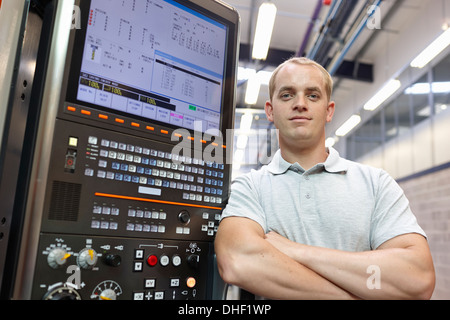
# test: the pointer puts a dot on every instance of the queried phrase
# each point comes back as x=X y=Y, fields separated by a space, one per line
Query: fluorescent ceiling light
x=245 y=73
x=388 y=90
x=264 y=29
x=264 y=77
x=348 y=126
x=253 y=88
x=424 y=88
x=246 y=122
x=436 y=47
x=242 y=141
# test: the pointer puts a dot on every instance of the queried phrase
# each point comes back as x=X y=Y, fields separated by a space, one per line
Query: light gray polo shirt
x=337 y=204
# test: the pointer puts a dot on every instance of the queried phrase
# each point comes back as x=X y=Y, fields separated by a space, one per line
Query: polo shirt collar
x=333 y=164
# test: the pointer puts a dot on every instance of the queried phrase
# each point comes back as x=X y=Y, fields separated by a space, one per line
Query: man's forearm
x=389 y=273
x=250 y=262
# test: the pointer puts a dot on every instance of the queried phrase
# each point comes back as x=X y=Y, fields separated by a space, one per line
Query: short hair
x=328 y=80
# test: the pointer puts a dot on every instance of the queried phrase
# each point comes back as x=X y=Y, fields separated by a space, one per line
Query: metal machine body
x=129 y=170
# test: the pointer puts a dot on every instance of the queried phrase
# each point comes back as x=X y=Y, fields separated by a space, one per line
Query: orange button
x=102 y=116
x=191 y=282
x=72 y=109
x=85 y=112
x=164 y=132
x=120 y=120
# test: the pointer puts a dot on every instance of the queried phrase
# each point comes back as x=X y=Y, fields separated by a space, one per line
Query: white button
x=176 y=261
x=139 y=254
x=150 y=283
x=174 y=283
x=92 y=140
x=164 y=260
x=159 y=295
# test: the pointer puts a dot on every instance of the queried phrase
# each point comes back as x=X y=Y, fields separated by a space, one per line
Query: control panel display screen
x=155 y=59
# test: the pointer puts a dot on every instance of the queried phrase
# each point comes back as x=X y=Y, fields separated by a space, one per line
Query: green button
x=193 y=108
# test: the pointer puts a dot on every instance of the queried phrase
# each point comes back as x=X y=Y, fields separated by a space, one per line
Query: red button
x=152 y=260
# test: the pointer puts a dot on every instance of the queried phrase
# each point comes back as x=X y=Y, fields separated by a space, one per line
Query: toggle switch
x=71 y=160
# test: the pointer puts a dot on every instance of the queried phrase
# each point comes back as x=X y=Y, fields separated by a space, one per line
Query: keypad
x=156 y=171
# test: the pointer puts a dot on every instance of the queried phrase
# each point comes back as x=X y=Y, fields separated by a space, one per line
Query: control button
x=159 y=295
x=176 y=260
x=174 y=283
x=150 y=283
x=139 y=254
x=138 y=296
x=164 y=260
x=152 y=260
x=191 y=282
x=137 y=267
x=73 y=142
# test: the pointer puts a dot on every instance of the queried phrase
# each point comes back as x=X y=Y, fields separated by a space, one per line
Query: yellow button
x=73 y=142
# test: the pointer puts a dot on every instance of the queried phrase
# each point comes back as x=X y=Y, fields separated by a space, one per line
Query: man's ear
x=330 y=111
x=269 y=111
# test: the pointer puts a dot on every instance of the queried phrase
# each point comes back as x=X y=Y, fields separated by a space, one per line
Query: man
x=312 y=225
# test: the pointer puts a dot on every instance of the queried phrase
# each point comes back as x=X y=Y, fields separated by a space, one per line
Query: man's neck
x=305 y=157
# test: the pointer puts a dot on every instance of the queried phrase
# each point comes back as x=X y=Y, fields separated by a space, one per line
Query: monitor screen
x=160 y=60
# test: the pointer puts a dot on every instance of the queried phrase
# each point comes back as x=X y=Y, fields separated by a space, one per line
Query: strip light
x=436 y=47
x=348 y=126
x=388 y=90
x=264 y=29
x=425 y=88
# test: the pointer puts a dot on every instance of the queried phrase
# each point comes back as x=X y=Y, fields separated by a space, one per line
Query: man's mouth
x=300 y=118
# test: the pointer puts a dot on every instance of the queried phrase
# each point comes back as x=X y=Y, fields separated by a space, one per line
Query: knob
x=87 y=258
x=62 y=292
x=57 y=258
x=108 y=294
x=184 y=217
x=113 y=260
x=193 y=260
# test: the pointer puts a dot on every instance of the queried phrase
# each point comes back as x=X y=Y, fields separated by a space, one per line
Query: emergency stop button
x=152 y=260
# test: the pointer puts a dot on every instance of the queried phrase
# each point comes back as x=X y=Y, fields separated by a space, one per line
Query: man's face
x=300 y=107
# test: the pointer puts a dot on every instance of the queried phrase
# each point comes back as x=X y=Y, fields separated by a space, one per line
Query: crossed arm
x=277 y=268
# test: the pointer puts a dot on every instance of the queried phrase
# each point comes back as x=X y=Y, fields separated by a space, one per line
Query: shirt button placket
x=307 y=184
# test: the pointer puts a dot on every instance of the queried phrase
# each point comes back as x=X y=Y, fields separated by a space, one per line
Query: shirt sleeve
x=392 y=216
x=244 y=201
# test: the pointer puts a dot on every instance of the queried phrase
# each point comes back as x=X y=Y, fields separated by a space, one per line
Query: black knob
x=113 y=260
x=62 y=293
x=184 y=217
x=193 y=260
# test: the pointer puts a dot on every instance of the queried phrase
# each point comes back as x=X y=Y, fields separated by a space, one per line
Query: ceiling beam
x=348 y=70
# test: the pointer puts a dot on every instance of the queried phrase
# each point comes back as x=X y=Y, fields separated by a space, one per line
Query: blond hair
x=302 y=61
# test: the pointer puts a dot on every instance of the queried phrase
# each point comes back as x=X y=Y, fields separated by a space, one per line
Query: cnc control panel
x=117 y=208
x=94 y=268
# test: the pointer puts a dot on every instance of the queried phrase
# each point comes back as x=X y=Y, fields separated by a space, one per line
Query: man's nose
x=300 y=103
